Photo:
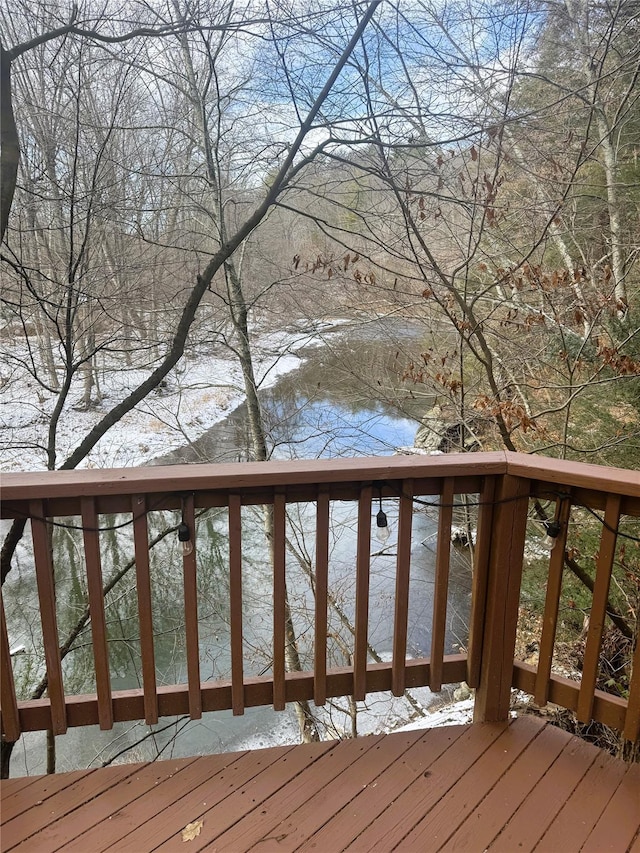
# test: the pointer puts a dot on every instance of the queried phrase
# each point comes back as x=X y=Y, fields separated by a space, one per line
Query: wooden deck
x=487 y=786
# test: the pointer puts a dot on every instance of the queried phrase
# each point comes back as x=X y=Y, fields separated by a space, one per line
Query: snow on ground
x=452 y=714
x=200 y=392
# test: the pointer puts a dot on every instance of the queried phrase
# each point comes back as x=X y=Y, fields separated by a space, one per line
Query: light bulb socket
x=552 y=528
x=552 y=531
x=381 y=519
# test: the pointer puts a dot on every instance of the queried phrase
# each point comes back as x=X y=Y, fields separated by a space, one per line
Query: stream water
x=329 y=407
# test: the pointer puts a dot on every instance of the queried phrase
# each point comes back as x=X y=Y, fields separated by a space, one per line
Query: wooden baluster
x=235 y=605
x=9 y=708
x=190 y=579
x=93 y=560
x=145 y=608
x=599 y=602
x=403 y=568
x=508 y=533
x=363 y=560
x=47 y=601
x=551 y=607
x=479 y=581
x=279 y=598
x=441 y=590
x=632 y=718
x=322 y=587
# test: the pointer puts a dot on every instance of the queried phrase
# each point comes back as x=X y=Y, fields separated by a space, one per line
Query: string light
x=382 y=523
x=553 y=529
x=184 y=536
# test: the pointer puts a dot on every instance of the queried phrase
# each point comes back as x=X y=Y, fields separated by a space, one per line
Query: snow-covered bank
x=199 y=393
x=451 y=714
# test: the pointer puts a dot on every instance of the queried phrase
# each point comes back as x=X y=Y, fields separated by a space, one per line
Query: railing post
x=508 y=530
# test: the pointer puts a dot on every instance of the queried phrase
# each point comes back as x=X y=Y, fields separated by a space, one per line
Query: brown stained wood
x=259 y=496
x=620 y=812
x=190 y=586
x=297 y=823
x=234 y=823
x=403 y=568
x=52 y=817
x=441 y=590
x=258 y=690
x=211 y=779
x=552 y=607
x=371 y=800
x=604 y=564
x=145 y=607
x=503 y=596
x=183 y=478
x=177 y=479
x=440 y=822
x=279 y=598
x=581 y=811
x=530 y=821
x=484 y=823
x=404 y=791
x=389 y=828
x=93 y=563
x=151 y=807
x=9 y=706
x=479 y=580
x=17 y=784
x=47 y=602
x=114 y=487
x=321 y=597
x=301 y=480
x=562 y=472
x=607 y=709
x=328 y=774
x=363 y=560
x=632 y=718
x=235 y=604
x=17 y=801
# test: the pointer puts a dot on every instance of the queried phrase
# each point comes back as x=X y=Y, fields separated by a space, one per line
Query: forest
x=181 y=179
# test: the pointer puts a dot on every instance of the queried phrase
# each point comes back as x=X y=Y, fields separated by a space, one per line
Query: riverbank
x=198 y=394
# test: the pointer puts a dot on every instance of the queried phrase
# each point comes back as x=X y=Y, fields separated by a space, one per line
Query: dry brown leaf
x=192 y=830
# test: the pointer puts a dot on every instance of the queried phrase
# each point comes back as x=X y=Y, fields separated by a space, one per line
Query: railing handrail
x=565 y=472
x=227 y=476
x=202 y=476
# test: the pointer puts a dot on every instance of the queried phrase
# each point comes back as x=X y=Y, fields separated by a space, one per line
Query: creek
x=344 y=400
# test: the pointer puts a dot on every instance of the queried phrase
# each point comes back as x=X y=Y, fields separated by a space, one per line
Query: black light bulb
x=382 y=527
x=184 y=536
x=553 y=529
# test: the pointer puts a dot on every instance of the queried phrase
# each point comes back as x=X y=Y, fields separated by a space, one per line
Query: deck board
x=579 y=815
x=481 y=826
x=546 y=799
x=265 y=812
x=461 y=788
x=354 y=817
x=389 y=827
x=622 y=812
x=440 y=822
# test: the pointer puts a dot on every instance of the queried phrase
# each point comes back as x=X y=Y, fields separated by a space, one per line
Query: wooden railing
x=506 y=490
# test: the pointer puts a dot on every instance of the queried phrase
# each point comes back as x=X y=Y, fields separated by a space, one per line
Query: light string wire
x=399 y=493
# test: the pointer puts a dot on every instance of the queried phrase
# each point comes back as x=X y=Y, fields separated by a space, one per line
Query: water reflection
x=328 y=408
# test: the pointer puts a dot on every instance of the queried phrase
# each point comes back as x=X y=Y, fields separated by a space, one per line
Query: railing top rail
x=622 y=481
x=197 y=477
